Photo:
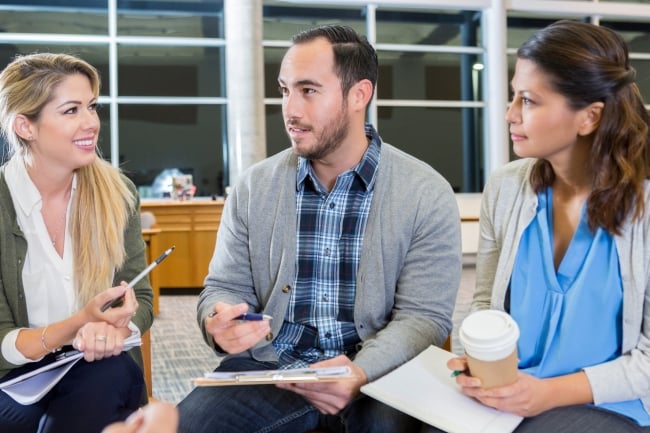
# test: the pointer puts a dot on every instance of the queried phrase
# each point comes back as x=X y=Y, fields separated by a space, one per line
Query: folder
x=30 y=387
x=261 y=377
x=423 y=388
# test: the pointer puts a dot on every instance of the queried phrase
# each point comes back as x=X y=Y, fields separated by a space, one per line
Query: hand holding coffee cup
x=489 y=338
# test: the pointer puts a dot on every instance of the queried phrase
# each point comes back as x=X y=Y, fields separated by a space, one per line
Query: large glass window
x=79 y=17
x=194 y=19
x=184 y=137
x=170 y=71
x=169 y=98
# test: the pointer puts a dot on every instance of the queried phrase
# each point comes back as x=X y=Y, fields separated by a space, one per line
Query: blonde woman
x=69 y=239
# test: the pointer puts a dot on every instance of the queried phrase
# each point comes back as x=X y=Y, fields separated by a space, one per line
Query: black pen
x=115 y=302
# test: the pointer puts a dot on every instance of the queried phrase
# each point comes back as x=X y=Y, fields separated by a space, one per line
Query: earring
x=30 y=138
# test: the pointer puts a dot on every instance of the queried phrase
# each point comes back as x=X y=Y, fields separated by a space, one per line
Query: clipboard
x=266 y=377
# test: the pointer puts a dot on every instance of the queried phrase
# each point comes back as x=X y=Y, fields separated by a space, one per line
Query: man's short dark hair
x=354 y=58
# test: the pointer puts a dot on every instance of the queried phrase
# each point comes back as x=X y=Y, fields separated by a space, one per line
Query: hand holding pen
x=118 y=300
x=235 y=329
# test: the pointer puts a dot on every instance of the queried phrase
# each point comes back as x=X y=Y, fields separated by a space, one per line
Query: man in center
x=350 y=245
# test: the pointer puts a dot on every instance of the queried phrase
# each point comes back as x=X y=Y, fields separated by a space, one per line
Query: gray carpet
x=179 y=353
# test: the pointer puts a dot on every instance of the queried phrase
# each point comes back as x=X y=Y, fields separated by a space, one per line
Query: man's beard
x=329 y=139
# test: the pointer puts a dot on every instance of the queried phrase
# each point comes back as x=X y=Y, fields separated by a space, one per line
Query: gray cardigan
x=409 y=269
x=508 y=206
x=13 y=249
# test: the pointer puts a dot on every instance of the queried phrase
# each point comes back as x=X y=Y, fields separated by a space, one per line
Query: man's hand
x=330 y=397
x=235 y=336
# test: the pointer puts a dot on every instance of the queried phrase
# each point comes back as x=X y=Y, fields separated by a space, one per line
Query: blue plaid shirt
x=319 y=323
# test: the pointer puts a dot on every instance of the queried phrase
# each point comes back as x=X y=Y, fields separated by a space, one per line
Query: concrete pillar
x=244 y=85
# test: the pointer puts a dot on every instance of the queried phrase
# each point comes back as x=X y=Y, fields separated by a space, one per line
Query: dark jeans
x=90 y=396
x=574 y=419
x=266 y=408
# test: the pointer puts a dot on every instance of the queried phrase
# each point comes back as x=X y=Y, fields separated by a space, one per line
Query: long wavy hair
x=102 y=203
x=588 y=63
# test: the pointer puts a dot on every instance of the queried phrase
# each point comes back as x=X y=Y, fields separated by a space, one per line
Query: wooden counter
x=191 y=226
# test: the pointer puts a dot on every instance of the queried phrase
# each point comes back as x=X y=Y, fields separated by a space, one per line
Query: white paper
x=32 y=386
x=424 y=389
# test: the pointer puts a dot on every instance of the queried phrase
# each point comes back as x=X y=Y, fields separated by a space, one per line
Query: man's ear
x=23 y=127
x=360 y=94
x=593 y=114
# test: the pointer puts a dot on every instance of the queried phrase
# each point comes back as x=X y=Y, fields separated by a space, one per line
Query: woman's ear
x=593 y=114
x=23 y=127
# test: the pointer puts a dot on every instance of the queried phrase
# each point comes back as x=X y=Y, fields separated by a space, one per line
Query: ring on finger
x=100 y=337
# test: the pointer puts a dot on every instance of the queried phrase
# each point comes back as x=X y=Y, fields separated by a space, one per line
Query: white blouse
x=47 y=277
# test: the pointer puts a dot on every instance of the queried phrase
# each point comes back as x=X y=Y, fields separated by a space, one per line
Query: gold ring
x=100 y=337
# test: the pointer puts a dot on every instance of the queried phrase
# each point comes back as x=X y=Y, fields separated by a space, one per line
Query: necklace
x=60 y=224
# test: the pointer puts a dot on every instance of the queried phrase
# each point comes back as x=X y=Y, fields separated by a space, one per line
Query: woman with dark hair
x=565 y=238
x=69 y=239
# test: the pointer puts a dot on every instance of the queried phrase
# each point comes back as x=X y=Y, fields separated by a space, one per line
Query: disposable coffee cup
x=489 y=338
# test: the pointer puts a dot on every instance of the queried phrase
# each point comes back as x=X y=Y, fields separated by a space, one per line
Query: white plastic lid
x=489 y=335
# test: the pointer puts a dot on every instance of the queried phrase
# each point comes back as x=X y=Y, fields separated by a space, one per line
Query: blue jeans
x=90 y=396
x=574 y=419
x=266 y=408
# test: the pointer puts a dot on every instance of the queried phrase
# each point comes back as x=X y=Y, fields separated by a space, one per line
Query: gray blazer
x=409 y=269
x=509 y=204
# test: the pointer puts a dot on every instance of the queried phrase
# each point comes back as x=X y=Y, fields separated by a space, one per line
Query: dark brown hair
x=354 y=58
x=588 y=63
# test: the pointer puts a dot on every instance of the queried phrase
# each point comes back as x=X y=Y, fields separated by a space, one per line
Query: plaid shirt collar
x=366 y=169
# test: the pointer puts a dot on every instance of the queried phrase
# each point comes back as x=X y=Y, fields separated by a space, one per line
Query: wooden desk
x=150 y=237
x=192 y=227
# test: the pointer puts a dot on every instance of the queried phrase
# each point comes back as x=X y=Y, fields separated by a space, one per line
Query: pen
x=247 y=316
x=457 y=372
x=66 y=354
x=115 y=302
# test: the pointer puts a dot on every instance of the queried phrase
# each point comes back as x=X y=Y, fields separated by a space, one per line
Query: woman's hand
x=99 y=340
x=528 y=396
x=118 y=316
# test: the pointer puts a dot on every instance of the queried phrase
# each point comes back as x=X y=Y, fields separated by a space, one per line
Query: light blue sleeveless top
x=570 y=319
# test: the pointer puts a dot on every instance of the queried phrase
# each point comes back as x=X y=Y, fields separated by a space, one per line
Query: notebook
x=424 y=389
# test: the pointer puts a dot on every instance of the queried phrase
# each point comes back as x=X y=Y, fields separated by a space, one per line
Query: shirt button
x=269 y=336
x=327 y=251
x=332 y=205
x=325 y=298
x=286 y=289
x=328 y=335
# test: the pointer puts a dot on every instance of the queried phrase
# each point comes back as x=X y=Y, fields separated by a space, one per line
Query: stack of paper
x=424 y=389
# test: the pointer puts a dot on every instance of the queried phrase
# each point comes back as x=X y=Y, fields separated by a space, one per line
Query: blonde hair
x=103 y=202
